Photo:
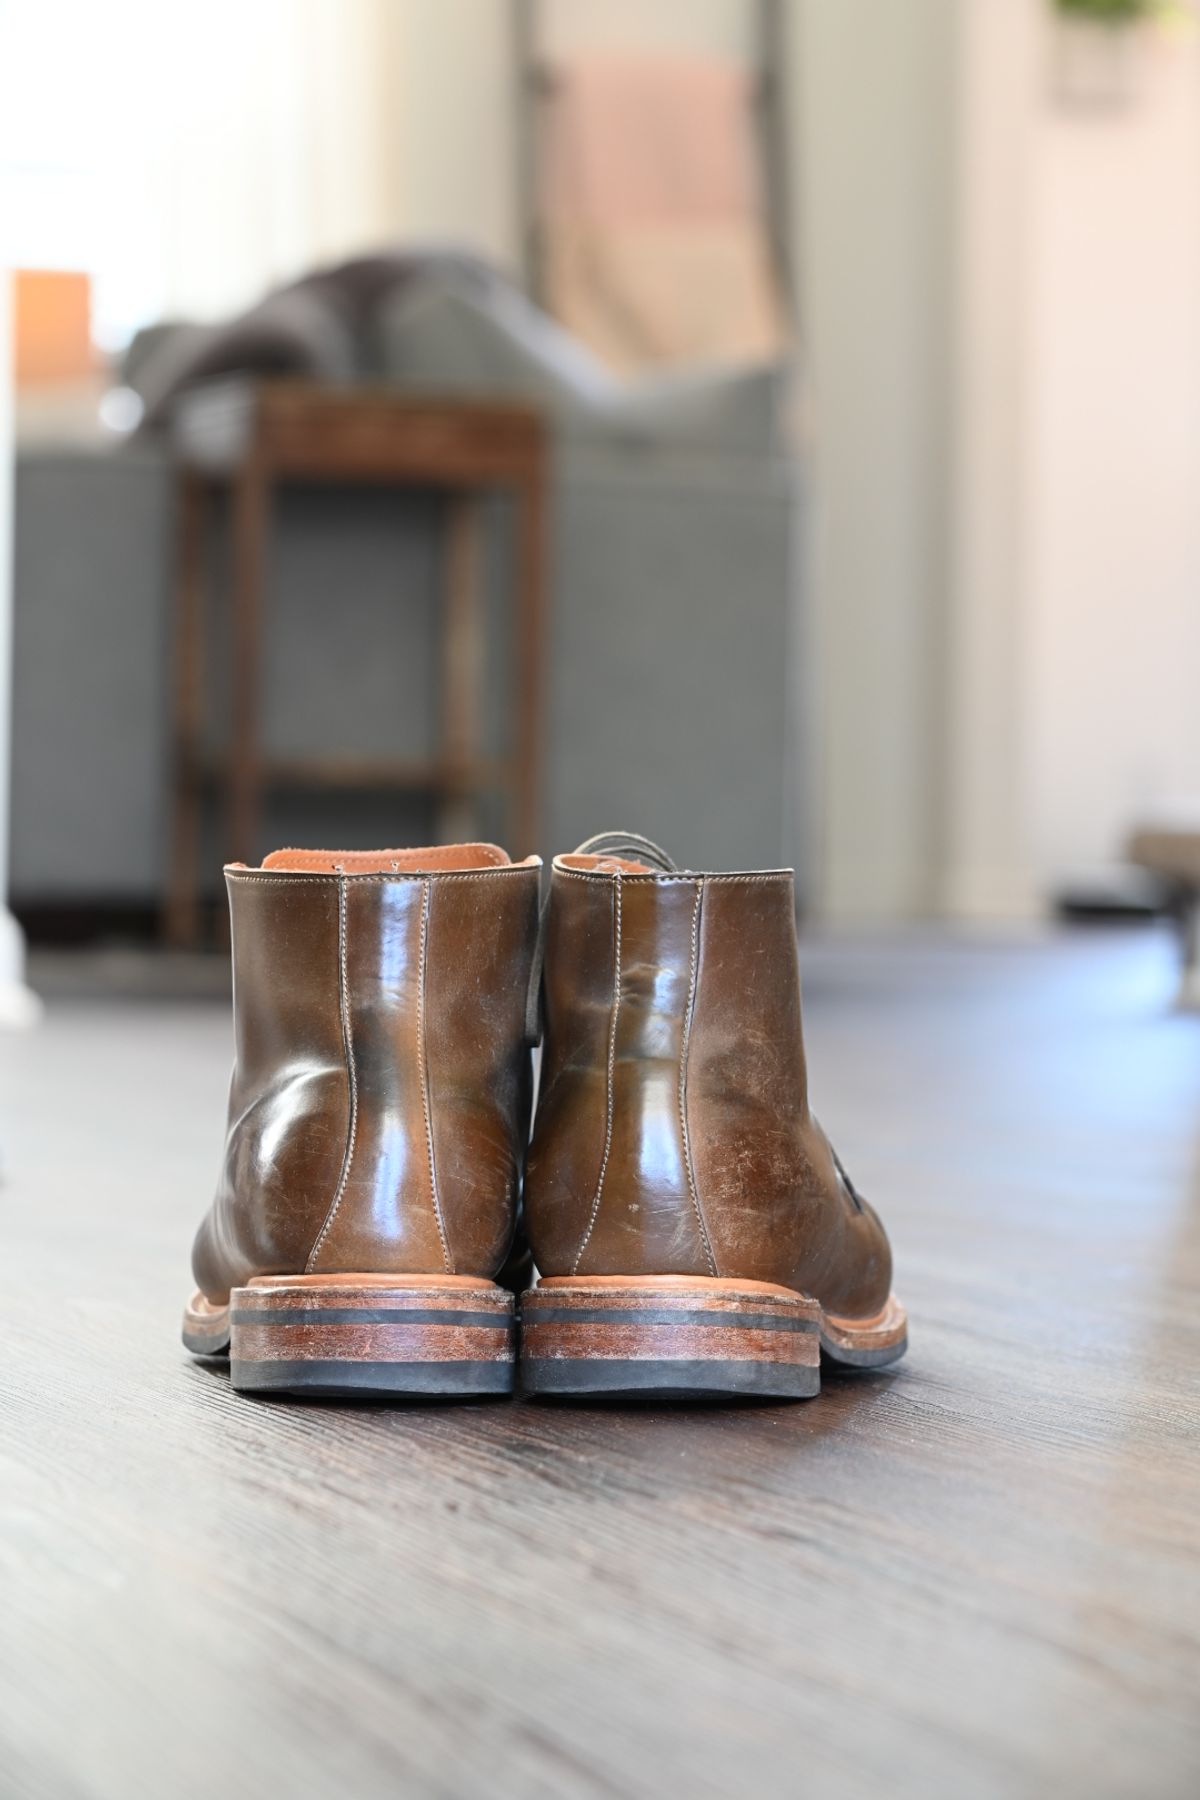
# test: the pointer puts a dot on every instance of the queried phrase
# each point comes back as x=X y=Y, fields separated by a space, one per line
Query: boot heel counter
x=289 y=1096
x=382 y=1213
x=610 y=1185
x=433 y=977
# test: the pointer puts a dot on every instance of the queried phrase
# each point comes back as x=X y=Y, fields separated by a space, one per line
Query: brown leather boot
x=693 y=1230
x=377 y=1124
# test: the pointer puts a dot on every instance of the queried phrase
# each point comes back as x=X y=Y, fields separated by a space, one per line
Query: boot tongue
x=625 y=850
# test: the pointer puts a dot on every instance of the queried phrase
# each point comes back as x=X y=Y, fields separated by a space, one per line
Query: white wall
x=1114 y=464
x=983 y=868
x=453 y=103
x=719 y=27
x=1002 y=312
x=873 y=103
x=190 y=168
x=1073 y=633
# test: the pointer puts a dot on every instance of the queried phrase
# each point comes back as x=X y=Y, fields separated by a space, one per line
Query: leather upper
x=673 y=1132
x=379 y=1104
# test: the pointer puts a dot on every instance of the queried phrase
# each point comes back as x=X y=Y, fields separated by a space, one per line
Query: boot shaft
x=380 y=1095
x=672 y=1116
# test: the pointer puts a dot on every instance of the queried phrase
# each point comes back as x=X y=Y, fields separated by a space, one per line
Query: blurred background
x=774 y=427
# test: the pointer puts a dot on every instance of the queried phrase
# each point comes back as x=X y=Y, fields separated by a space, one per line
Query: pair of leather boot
x=692 y=1229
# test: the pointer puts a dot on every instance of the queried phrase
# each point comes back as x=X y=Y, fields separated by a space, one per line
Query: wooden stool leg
x=529 y=651
x=462 y=672
x=251 y=508
x=181 y=913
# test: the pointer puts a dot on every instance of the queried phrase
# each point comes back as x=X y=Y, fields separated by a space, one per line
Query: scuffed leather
x=699 y=1156
x=380 y=1096
x=776 y=1206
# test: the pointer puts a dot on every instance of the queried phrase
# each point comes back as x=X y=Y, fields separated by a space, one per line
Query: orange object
x=52 y=326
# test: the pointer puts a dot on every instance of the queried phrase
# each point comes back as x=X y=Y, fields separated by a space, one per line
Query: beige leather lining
x=433 y=858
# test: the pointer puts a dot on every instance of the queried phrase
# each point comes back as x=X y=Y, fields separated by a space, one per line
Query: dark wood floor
x=979 y=1576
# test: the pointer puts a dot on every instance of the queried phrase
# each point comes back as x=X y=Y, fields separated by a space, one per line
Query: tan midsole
x=888 y=1326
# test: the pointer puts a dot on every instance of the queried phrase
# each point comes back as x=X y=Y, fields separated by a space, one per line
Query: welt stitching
x=348 y=1046
x=685 y=1043
x=612 y=1057
x=423 y=1065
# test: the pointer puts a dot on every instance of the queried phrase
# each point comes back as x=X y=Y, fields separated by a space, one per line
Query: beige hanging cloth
x=656 y=249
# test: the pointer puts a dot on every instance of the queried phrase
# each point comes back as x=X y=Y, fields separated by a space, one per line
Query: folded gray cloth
x=444 y=323
x=443 y=335
x=323 y=326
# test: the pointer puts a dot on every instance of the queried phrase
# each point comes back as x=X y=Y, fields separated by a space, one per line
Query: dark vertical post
x=462 y=671
x=180 y=919
x=251 y=504
x=529 y=651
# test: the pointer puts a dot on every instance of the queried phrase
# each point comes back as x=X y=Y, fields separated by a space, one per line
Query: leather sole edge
x=692 y=1337
x=361 y=1336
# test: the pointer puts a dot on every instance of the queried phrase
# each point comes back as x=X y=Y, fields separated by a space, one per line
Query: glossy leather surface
x=673 y=1132
x=380 y=1097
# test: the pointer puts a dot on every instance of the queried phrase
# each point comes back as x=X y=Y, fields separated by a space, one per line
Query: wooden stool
x=253 y=436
